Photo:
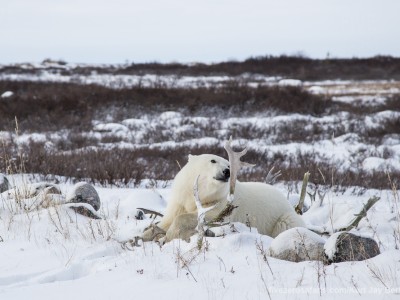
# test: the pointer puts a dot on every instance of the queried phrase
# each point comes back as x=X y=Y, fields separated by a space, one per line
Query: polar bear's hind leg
x=285 y=222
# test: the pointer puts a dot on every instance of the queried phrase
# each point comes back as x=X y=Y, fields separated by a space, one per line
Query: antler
x=235 y=165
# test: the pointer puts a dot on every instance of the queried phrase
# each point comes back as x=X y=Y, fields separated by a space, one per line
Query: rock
x=4 y=184
x=84 y=211
x=344 y=246
x=297 y=244
x=83 y=192
x=35 y=189
x=139 y=215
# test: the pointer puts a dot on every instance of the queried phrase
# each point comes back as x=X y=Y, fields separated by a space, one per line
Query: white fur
x=265 y=207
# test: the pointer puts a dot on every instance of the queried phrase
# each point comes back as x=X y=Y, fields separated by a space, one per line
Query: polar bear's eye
x=213 y=161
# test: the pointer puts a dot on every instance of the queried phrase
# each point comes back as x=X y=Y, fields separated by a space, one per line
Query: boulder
x=44 y=188
x=344 y=246
x=4 y=184
x=83 y=192
x=297 y=244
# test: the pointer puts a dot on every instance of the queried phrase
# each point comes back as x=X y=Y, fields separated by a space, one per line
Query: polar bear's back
x=265 y=207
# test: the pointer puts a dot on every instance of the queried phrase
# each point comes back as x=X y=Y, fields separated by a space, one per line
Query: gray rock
x=297 y=244
x=4 y=184
x=140 y=215
x=35 y=189
x=83 y=192
x=84 y=211
x=344 y=246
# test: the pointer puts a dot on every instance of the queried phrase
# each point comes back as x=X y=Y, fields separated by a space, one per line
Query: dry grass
x=127 y=167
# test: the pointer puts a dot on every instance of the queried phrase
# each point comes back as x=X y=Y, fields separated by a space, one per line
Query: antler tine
x=235 y=165
x=243 y=152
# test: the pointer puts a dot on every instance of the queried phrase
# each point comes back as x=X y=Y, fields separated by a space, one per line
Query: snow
x=371 y=164
x=293 y=238
x=7 y=94
x=135 y=123
x=347 y=151
x=290 y=82
x=316 y=90
x=28 y=137
x=376 y=164
x=55 y=253
x=111 y=127
x=330 y=245
x=148 y=80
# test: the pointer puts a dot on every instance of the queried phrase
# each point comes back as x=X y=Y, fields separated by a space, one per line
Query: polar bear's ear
x=191 y=157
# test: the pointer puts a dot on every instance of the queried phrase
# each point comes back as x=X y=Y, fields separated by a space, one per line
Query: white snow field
x=54 y=253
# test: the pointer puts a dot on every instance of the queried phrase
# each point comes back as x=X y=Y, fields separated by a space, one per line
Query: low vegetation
x=303 y=68
x=66 y=113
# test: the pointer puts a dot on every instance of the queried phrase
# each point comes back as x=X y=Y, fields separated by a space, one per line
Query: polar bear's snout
x=226 y=173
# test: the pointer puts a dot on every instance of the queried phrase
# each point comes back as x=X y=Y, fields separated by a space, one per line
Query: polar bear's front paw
x=153 y=233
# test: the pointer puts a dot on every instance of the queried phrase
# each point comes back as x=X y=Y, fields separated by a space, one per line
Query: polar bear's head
x=211 y=166
x=213 y=173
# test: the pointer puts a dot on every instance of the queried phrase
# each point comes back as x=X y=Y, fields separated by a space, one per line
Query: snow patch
x=111 y=127
x=317 y=90
x=290 y=82
x=7 y=94
x=330 y=245
x=371 y=164
x=293 y=237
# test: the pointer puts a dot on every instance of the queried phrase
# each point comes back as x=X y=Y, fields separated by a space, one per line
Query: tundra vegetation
x=127 y=130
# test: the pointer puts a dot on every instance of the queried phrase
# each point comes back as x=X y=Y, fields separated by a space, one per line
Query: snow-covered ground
x=55 y=253
x=333 y=87
x=342 y=139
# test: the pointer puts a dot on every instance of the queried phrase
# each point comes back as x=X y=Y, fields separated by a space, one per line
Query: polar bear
x=260 y=204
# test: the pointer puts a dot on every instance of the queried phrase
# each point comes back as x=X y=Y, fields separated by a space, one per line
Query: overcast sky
x=116 y=31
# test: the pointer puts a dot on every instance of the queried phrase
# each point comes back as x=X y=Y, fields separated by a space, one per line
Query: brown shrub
x=124 y=167
x=54 y=106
